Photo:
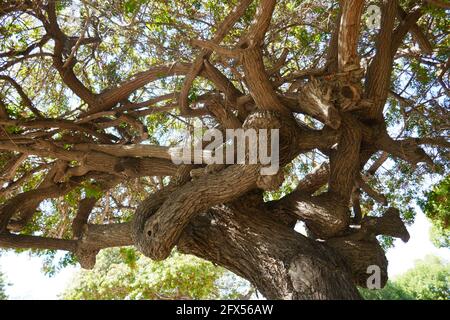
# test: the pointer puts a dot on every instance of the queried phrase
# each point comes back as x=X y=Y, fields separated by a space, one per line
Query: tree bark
x=280 y=262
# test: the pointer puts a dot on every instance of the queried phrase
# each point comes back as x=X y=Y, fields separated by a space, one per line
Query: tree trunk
x=279 y=262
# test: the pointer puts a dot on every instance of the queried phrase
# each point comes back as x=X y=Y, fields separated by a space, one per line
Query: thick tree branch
x=86 y=205
x=261 y=88
x=16 y=204
x=34 y=242
x=160 y=233
x=9 y=169
x=389 y=224
x=61 y=124
x=332 y=51
x=379 y=72
x=361 y=182
x=417 y=33
x=407 y=150
x=98 y=160
x=28 y=209
x=66 y=72
x=257 y=79
x=349 y=34
x=112 y=96
x=344 y=161
x=314 y=180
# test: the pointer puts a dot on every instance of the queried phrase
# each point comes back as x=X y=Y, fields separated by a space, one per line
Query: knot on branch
x=141 y=234
x=86 y=257
x=349 y=96
x=346 y=87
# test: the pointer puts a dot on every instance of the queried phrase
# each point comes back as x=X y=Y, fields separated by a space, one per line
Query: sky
x=28 y=282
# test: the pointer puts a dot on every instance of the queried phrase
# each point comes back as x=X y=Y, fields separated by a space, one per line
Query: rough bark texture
x=283 y=264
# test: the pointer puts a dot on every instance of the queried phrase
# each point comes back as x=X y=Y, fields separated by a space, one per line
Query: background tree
x=3 y=295
x=391 y=291
x=436 y=207
x=126 y=274
x=93 y=94
x=428 y=280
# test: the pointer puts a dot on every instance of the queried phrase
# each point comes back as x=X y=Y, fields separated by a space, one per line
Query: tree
x=391 y=291
x=436 y=207
x=94 y=94
x=428 y=280
x=3 y=295
x=125 y=274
